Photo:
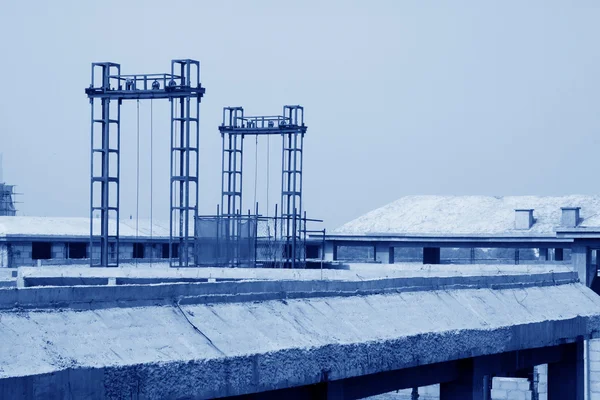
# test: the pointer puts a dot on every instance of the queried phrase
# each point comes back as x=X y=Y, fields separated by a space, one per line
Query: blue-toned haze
x=401 y=97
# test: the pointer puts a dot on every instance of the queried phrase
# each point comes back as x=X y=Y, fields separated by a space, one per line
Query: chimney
x=569 y=217
x=523 y=219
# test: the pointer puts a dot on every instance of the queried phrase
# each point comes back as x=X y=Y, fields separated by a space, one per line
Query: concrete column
x=581 y=258
x=543 y=254
x=3 y=255
x=335 y=390
x=330 y=251
x=558 y=254
x=470 y=385
x=566 y=378
x=431 y=255
x=384 y=253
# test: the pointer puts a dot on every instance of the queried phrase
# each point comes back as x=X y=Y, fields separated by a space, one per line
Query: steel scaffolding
x=183 y=89
x=290 y=126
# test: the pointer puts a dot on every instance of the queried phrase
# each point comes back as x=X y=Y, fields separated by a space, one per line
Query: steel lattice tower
x=183 y=89
x=290 y=126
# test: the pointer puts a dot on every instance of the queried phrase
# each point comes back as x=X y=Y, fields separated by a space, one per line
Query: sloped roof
x=471 y=215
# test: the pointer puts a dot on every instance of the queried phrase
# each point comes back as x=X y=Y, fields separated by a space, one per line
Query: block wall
x=511 y=389
x=594 y=362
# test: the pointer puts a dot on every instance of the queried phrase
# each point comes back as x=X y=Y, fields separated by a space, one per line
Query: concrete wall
x=502 y=389
x=594 y=362
x=4 y=255
x=511 y=389
x=19 y=254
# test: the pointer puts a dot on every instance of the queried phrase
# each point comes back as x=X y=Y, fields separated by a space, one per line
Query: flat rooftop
x=229 y=338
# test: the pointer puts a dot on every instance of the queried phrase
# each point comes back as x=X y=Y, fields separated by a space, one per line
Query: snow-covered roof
x=471 y=215
x=76 y=227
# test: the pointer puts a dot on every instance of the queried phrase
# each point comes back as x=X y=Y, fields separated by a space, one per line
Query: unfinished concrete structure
x=341 y=339
x=28 y=241
x=526 y=228
x=7 y=201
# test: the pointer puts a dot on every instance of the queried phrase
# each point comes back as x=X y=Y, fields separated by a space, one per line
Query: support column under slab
x=581 y=257
x=469 y=386
x=431 y=255
x=543 y=254
x=330 y=251
x=566 y=377
x=384 y=253
x=559 y=254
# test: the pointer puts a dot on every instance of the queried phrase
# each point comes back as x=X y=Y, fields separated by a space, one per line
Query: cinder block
x=499 y=394
x=507 y=384
x=542 y=387
x=594 y=385
x=594 y=355
x=518 y=395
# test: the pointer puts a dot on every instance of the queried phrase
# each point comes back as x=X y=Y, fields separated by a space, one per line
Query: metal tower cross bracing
x=183 y=89
x=290 y=126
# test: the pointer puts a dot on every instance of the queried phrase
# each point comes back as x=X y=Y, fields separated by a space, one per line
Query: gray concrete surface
x=208 y=340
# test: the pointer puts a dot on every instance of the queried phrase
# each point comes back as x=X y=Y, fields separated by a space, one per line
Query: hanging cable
x=151 y=172
x=137 y=180
x=137 y=174
x=268 y=169
x=255 y=169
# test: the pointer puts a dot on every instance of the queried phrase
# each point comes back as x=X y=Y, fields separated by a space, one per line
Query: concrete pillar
x=330 y=251
x=543 y=255
x=431 y=255
x=335 y=390
x=566 y=378
x=558 y=254
x=3 y=255
x=470 y=385
x=581 y=258
x=414 y=394
x=384 y=253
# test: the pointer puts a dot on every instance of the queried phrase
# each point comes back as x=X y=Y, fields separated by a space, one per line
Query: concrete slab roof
x=203 y=348
x=76 y=227
x=471 y=215
x=79 y=227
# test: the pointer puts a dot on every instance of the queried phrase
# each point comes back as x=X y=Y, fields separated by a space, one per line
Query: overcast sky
x=401 y=97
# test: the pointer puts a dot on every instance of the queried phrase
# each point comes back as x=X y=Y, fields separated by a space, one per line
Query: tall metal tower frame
x=184 y=91
x=290 y=126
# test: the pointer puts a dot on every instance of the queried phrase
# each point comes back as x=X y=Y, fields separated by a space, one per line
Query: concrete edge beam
x=530 y=344
x=105 y=296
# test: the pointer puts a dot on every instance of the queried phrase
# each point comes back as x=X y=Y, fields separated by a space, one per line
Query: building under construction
x=7 y=201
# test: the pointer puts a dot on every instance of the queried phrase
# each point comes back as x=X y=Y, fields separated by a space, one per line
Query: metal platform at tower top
x=184 y=91
x=290 y=126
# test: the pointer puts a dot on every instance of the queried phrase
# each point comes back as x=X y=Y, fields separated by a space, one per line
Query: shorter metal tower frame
x=183 y=89
x=290 y=126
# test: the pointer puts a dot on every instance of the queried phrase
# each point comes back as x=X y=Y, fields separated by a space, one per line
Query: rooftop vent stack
x=523 y=219
x=569 y=217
